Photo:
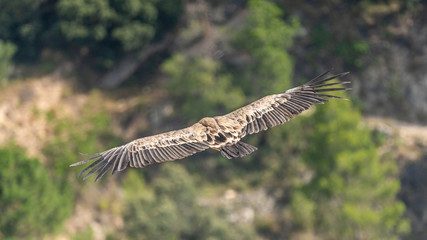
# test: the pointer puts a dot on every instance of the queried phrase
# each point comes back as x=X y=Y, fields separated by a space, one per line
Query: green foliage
x=6 y=52
x=107 y=28
x=102 y=30
x=87 y=234
x=31 y=202
x=302 y=211
x=350 y=49
x=130 y=23
x=266 y=37
x=200 y=86
x=352 y=191
x=172 y=210
x=22 y=23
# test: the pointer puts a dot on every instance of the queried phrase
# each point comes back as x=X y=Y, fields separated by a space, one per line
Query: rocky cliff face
x=390 y=76
x=395 y=83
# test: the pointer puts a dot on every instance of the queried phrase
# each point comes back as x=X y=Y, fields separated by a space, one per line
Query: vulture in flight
x=222 y=133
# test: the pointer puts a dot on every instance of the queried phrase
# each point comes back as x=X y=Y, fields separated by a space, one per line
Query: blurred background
x=84 y=76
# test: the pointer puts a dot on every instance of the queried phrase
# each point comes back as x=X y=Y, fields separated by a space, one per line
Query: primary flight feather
x=222 y=133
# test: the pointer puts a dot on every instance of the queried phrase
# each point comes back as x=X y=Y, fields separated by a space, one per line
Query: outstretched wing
x=145 y=151
x=279 y=108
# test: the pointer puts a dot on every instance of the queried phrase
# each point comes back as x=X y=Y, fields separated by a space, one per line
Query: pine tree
x=352 y=194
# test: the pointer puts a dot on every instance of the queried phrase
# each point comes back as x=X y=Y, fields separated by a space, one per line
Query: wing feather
x=142 y=152
x=104 y=170
x=89 y=167
x=279 y=108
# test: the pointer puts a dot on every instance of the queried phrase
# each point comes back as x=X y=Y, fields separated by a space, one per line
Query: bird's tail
x=240 y=149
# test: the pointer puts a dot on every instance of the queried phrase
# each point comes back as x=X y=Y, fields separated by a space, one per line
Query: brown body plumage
x=222 y=133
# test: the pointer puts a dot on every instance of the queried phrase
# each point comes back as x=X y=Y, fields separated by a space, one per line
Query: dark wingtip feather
x=95 y=169
x=341 y=74
x=321 y=85
x=319 y=76
x=330 y=96
x=103 y=171
x=317 y=81
x=85 y=161
x=314 y=89
x=329 y=89
x=90 y=166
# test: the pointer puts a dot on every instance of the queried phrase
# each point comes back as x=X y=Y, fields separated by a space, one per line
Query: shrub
x=352 y=190
x=7 y=50
x=170 y=210
x=31 y=202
